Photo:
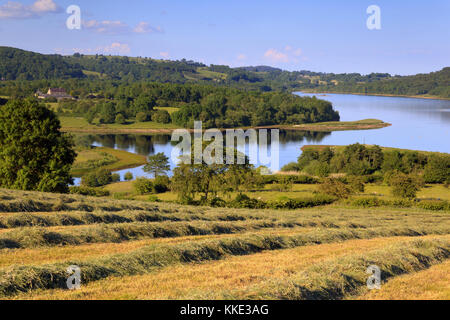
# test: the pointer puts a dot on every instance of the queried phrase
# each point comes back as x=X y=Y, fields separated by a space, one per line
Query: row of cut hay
x=20 y=220
x=347 y=276
x=116 y=233
x=14 y=280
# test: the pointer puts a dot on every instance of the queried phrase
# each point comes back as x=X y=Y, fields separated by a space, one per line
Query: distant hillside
x=16 y=64
x=431 y=84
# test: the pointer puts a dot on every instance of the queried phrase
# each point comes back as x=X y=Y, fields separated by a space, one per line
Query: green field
x=142 y=250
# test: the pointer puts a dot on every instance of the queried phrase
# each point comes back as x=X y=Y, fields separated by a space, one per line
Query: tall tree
x=34 y=154
x=157 y=165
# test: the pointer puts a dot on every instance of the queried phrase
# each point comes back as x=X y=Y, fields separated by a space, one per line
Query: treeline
x=17 y=65
x=361 y=160
x=435 y=84
x=217 y=107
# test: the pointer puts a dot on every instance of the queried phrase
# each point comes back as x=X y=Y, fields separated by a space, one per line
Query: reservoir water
x=417 y=124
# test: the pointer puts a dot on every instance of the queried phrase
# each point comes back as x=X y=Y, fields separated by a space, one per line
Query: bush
x=356 y=184
x=437 y=170
x=335 y=188
x=161 y=116
x=243 y=201
x=153 y=198
x=141 y=117
x=404 y=186
x=99 y=178
x=296 y=179
x=128 y=176
x=434 y=205
x=286 y=203
x=120 y=119
x=86 y=191
x=371 y=202
x=115 y=177
x=143 y=186
x=161 y=184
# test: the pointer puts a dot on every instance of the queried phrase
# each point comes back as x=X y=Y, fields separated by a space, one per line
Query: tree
x=34 y=154
x=161 y=116
x=141 y=117
x=157 y=164
x=128 y=176
x=405 y=186
x=437 y=170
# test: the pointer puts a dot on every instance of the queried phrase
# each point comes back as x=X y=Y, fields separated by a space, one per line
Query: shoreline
x=368 y=124
x=378 y=95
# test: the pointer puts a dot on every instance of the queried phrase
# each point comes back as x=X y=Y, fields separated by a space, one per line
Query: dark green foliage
x=142 y=117
x=356 y=183
x=120 y=119
x=437 y=170
x=243 y=201
x=128 y=176
x=293 y=166
x=115 y=177
x=335 y=188
x=161 y=184
x=143 y=186
x=404 y=186
x=157 y=164
x=34 y=154
x=87 y=191
x=97 y=178
x=161 y=116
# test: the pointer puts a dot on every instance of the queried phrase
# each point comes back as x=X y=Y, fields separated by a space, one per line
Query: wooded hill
x=16 y=64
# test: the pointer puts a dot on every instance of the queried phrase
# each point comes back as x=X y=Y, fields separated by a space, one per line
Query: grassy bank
x=105 y=158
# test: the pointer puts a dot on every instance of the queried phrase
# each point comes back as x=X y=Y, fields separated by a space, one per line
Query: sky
x=316 y=35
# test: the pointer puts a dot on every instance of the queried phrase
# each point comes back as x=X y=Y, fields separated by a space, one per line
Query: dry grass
x=211 y=279
x=431 y=284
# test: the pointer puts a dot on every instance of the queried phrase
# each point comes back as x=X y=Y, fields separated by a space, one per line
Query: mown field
x=143 y=250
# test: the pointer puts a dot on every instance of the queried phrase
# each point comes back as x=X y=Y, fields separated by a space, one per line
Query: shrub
x=128 y=176
x=143 y=186
x=404 y=186
x=153 y=198
x=437 y=170
x=98 y=178
x=335 y=188
x=115 y=177
x=120 y=119
x=141 y=117
x=434 y=205
x=286 y=203
x=367 y=202
x=86 y=191
x=161 y=184
x=356 y=184
x=161 y=116
x=243 y=201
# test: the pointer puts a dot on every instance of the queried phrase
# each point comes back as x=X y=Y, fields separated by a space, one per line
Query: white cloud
x=145 y=27
x=164 y=54
x=119 y=27
x=44 y=6
x=17 y=10
x=276 y=56
x=289 y=54
x=116 y=48
x=106 y=26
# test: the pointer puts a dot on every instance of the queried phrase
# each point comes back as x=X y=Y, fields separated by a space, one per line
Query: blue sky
x=327 y=36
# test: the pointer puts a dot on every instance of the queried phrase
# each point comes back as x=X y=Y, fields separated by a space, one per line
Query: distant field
x=272 y=192
x=142 y=250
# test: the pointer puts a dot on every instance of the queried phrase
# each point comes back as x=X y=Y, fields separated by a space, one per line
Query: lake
x=417 y=124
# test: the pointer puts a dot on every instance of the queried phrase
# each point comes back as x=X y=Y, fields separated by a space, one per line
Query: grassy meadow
x=131 y=249
x=105 y=158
